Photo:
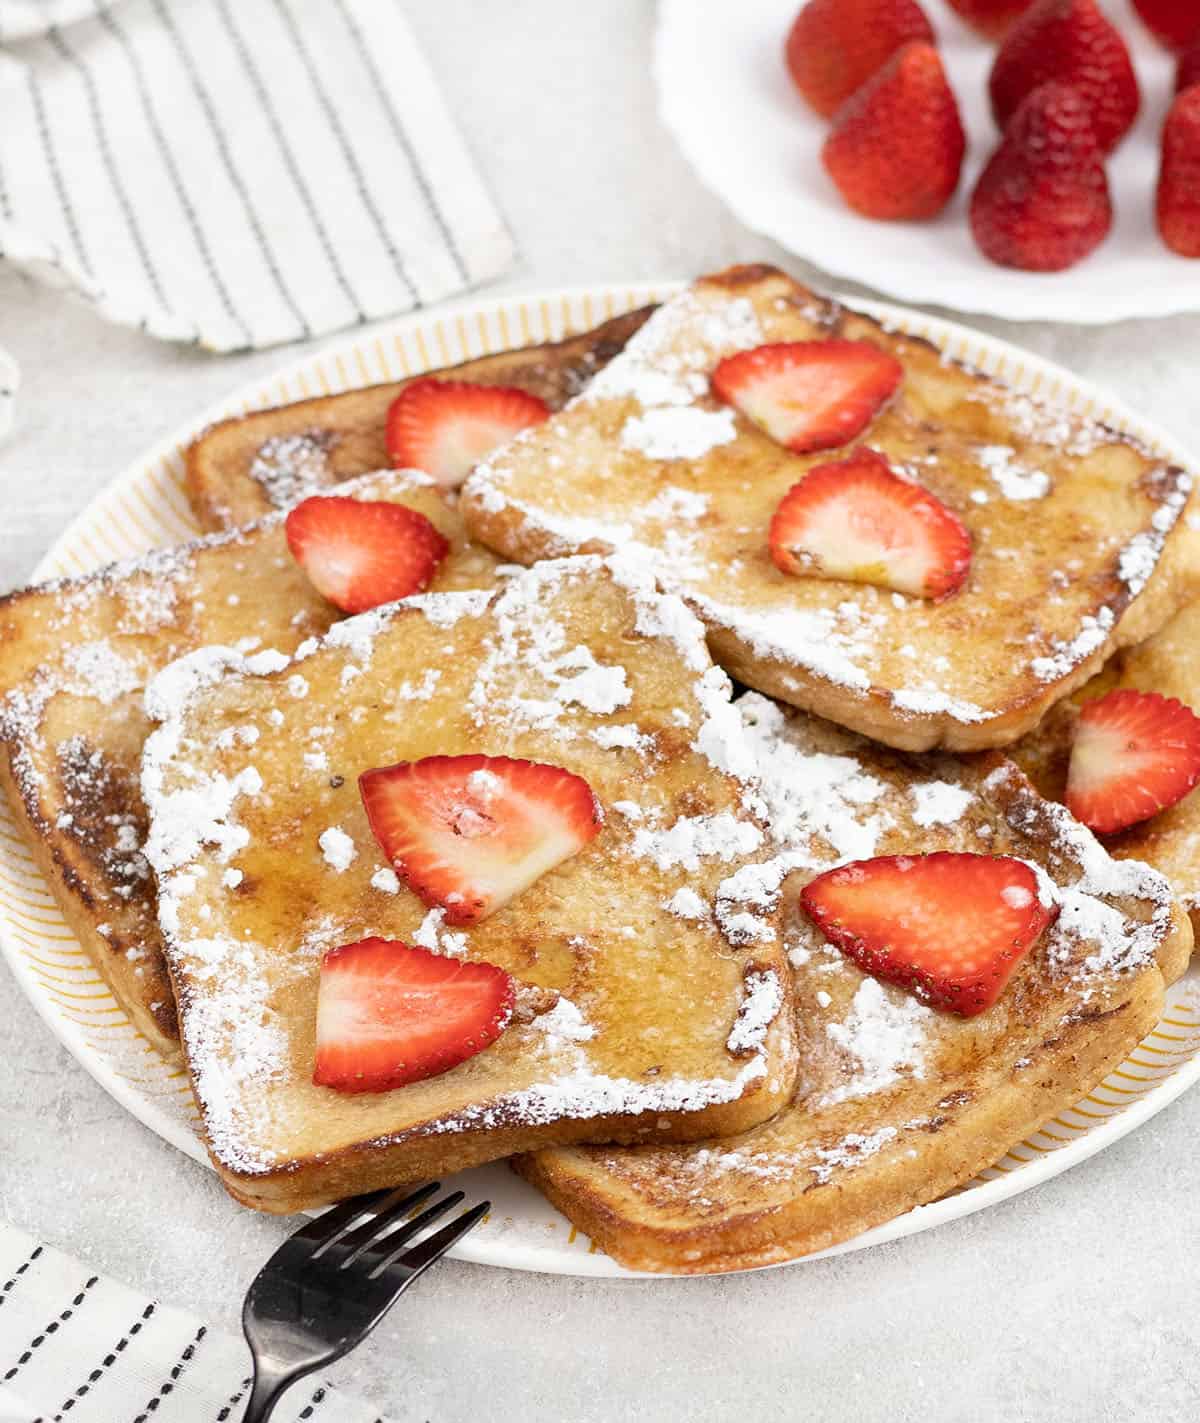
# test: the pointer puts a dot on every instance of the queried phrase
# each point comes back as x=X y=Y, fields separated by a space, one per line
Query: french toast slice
x=242 y=468
x=897 y=1104
x=642 y=1023
x=1167 y=663
x=75 y=655
x=1067 y=521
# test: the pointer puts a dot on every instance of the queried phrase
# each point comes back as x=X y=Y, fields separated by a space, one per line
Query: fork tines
x=393 y=1219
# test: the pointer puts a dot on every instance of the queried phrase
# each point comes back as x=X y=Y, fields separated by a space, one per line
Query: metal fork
x=329 y=1284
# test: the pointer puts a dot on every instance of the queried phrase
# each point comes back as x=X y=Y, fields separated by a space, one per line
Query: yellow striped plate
x=146 y=507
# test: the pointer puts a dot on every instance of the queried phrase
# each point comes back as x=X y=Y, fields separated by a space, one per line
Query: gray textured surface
x=1076 y=1301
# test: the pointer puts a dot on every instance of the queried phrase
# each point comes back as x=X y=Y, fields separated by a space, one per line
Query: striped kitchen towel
x=235 y=173
x=75 y=1346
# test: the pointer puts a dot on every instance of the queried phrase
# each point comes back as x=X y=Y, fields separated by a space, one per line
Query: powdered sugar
x=884 y=1035
x=1043 y=422
x=337 y=848
x=678 y=432
x=667 y=361
x=444 y=610
x=563 y=1023
x=811 y=795
x=851 y=1151
x=692 y=838
x=527 y=637
x=661 y=614
x=674 y=504
x=934 y=701
x=102 y=671
x=1093 y=631
x=629 y=737
x=1122 y=944
x=288 y=468
x=385 y=881
x=581 y=679
x=760 y=1007
x=685 y=903
x=431 y=934
x=1015 y=480
x=938 y=802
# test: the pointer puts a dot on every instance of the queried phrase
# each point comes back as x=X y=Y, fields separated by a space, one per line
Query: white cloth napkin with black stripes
x=75 y=1346
x=235 y=173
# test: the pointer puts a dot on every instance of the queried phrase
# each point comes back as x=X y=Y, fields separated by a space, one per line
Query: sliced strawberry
x=1175 y=23
x=388 y=1014
x=834 y=46
x=1068 y=42
x=1135 y=753
x=809 y=395
x=445 y=427
x=949 y=928
x=896 y=147
x=359 y=554
x=467 y=833
x=854 y=519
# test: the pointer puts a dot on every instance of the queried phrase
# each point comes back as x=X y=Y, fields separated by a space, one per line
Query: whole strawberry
x=834 y=46
x=1042 y=202
x=896 y=148
x=1175 y=22
x=993 y=18
x=1188 y=72
x=1068 y=42
x=1178 y=206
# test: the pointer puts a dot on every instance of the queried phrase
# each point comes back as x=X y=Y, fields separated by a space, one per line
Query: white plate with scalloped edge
x=145 y=507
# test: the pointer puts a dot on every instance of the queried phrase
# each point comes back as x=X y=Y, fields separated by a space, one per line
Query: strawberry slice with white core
x=949 y=928
x=1135 y=753
x=467 y=833
x=857 y=520
x=809 y=395
x=388 y=1014
x=445 y=427
x=360 y=553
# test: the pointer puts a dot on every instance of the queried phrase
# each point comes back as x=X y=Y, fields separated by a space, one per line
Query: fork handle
x=268 y=1388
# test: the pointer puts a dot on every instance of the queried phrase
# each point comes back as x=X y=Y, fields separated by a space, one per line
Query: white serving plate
x=724 y=93
x=145 y=507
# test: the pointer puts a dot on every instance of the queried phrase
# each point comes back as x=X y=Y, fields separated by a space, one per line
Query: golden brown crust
x=316 y=1180
x=146 y=996
x=347 y=430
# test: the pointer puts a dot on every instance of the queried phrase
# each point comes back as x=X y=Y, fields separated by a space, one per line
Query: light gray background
x=1077 y=1301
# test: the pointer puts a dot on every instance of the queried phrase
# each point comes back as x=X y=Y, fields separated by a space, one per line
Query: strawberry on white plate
x=950 y=928
x=1135 y=753
x=809 y=395
x=445 y=427
x=857 y=520
x=389 y=1014
x=467 y=833
x=360 y=553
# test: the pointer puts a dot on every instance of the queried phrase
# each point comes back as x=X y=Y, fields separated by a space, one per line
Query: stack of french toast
x=736 y=763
